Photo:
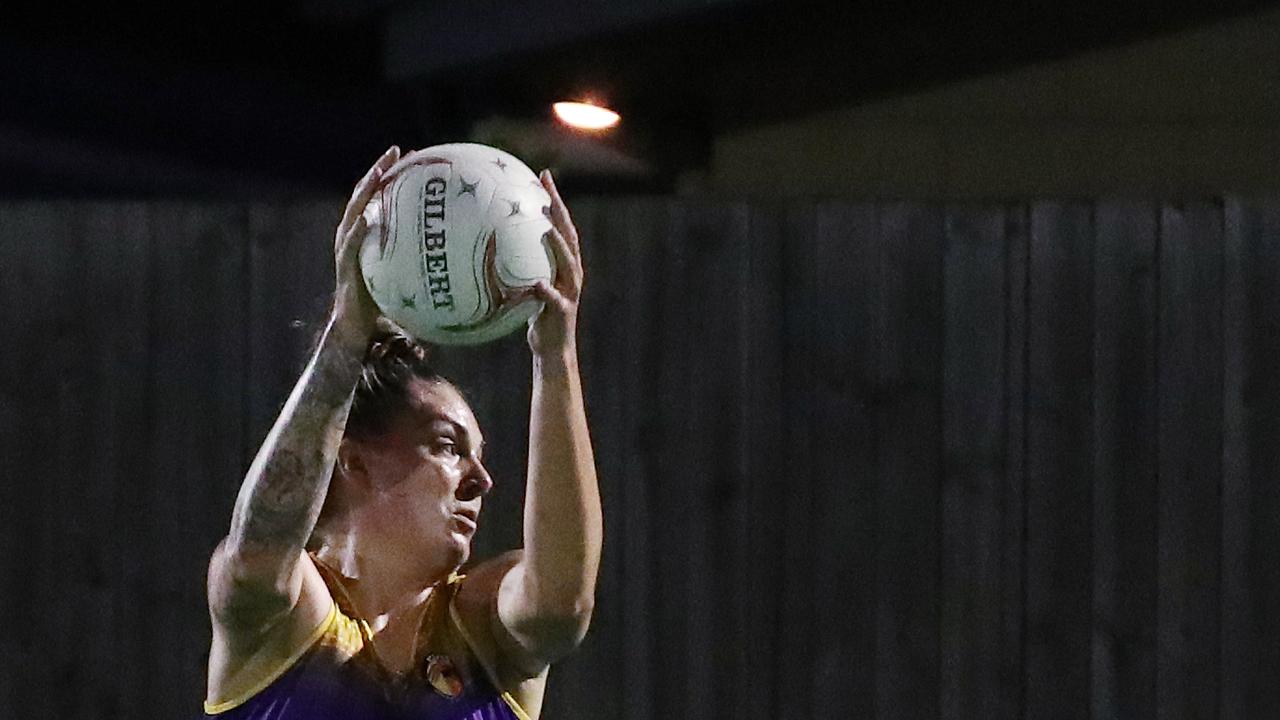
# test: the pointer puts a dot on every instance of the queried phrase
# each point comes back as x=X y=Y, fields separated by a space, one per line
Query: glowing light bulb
x=585 y=116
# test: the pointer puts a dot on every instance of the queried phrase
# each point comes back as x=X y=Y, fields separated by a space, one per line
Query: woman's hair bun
x=392 y=360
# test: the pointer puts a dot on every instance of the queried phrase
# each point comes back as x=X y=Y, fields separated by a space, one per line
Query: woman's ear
x=350 y=464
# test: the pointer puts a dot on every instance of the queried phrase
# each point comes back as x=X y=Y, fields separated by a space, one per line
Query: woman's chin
x=459 y=547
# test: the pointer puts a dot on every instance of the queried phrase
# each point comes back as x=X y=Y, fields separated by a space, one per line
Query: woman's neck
x=383 y=585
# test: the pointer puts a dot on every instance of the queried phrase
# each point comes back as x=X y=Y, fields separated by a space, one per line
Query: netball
x=455 y=244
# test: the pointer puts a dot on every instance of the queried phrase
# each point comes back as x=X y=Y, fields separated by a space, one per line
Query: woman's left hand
x=553 y=331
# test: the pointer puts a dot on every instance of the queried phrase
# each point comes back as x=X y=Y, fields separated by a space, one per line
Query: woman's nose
x=475 y=483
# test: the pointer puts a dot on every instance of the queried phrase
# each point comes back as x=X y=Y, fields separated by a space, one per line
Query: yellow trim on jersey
x=493 y=676
x=276 y=672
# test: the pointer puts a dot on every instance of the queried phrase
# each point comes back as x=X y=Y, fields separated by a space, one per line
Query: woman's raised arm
x=254 y=574
x=545 y=601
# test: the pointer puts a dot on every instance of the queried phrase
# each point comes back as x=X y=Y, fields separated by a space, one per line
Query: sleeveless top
x=337 y=675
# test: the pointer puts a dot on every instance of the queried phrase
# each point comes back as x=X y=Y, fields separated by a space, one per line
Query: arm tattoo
x=285 y=487
x=274 y=514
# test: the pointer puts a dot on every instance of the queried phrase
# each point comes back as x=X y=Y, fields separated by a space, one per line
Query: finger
x=378 y=169
x=560 y=217
x=550 y=296
x=351 y=239
x=560 y=212
x=568 y=269
x=358 y=228
x=368 y=184
x=360 y=196
x=403 y=162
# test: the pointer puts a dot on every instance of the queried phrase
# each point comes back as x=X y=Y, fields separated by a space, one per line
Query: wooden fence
x=877 y=460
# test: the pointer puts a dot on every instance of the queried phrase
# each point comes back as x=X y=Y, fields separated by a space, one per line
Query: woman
x=375 y=623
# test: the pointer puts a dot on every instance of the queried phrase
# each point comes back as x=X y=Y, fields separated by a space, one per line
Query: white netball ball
x=455 y=244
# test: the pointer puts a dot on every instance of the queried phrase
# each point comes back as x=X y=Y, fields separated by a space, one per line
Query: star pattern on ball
x=501 y=165
x=409 y=302
x=515 y=208
x=467 y=188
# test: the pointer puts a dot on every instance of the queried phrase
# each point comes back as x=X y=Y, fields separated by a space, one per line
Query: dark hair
x=392 y=360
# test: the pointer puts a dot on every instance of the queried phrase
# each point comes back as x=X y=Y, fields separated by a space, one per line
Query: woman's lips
x=465 y=522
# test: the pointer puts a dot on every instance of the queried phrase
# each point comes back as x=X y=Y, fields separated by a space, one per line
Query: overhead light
x=585 y=116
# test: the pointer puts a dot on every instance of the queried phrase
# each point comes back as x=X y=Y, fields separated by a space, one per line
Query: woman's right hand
x=354 y=311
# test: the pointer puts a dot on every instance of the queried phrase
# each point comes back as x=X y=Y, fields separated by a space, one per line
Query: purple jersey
x=337 y=675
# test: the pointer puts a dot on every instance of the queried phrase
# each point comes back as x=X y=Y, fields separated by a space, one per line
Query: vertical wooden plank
x=796 y=610
x=702 y=474
x=729 y=328
x=113 y=247
x=16 y=286
x=198 y=298
x=40 y=325
x=599 y=688
x=1190 y=427
x=1124 y=512
x=972 y=641
x=675 y=494
x=67 y=396
x=763 y=458
x=1013 y=569
x=1059 y=461
x=644 y=224
x=908 y=426
x=714 y=237
x=834 y=357
x=1250 y=495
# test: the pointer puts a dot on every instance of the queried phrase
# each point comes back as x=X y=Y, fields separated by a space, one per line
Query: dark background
x=246 y=98
x=879 y=450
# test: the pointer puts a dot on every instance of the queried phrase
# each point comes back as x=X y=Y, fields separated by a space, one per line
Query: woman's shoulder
x=474 y=611
x=474 y=598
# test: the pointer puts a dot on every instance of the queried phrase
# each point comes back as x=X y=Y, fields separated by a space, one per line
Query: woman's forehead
x=440 y=401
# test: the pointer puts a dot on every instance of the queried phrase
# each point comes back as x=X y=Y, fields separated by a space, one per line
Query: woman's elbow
x=552 y=633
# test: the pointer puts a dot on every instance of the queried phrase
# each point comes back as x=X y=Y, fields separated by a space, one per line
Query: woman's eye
x=447 y=447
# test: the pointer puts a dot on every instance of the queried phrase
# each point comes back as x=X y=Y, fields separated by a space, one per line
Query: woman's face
x=426 y=478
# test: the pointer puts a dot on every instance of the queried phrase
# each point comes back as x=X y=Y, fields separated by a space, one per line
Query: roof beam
x=430 y=36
